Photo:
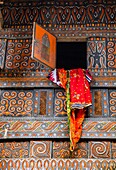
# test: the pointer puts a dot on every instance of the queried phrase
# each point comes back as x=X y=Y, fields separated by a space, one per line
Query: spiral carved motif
x=15 y=103
x=14 y=150
x=111 y=46
x=113 y=103
x=99 y=149
x=40 y=149
x=18 y=56
x=60 y=103
x=61 y=150
x=81 y=150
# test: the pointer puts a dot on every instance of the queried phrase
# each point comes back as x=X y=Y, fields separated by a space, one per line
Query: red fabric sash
x=80 y=98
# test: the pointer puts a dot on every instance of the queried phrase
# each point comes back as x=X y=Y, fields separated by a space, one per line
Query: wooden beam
x=1 y=19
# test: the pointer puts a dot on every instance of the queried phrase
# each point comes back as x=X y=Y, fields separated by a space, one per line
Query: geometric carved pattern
x=16 y=103
x=2 y=52
x=81 y=150
x=57 y=15
x=18 y=53
x=57 y=164
x=111 y=53
x=26 y=102
x=96 y=53
x=100 y=129
x=14 y=150
x=61 y=149
x=67 y=12
x=103 y=78
x=60 y=103
x=99 y=149
x=25 y=79
x=56 y=128
x=112 y=102
x=39 y=79
x=18 y=56
x=40 y=149
x=20 y=32
x=30 y=129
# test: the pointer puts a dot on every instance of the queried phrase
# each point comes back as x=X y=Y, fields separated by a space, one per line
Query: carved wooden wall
x=33 y=120
x=53 y=13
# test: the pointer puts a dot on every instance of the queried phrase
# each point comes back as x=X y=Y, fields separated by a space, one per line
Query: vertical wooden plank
x=1 y=17
x=98 y=103
x=43 y=96
x=105 y=103
x=2 y=52
x=46 y=102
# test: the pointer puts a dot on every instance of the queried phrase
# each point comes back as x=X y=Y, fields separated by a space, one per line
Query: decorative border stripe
x=56 y=164
x=55 y=129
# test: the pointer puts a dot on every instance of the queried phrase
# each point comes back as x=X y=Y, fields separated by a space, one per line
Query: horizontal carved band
x=26 y=128
x=64 y=32
x=38 y=164
x=101 y=81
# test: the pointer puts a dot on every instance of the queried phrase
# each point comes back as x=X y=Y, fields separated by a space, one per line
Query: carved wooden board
x=43 y=46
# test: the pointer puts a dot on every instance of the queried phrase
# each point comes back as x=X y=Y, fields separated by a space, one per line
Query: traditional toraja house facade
x=33 y=117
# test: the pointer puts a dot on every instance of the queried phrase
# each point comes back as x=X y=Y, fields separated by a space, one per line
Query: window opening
x=71 y=55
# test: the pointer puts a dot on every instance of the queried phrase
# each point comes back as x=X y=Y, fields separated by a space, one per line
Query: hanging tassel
x=5 y=134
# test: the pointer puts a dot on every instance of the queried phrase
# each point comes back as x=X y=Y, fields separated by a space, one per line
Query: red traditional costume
x=76 y=84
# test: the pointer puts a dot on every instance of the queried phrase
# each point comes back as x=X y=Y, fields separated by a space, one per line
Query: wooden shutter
x=43 y=46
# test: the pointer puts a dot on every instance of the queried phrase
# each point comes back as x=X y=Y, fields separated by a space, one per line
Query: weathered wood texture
x=33 y=121
x=57 y=164
x=52 y=127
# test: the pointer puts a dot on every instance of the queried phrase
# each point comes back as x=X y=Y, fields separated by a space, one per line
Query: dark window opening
x=71 y=55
